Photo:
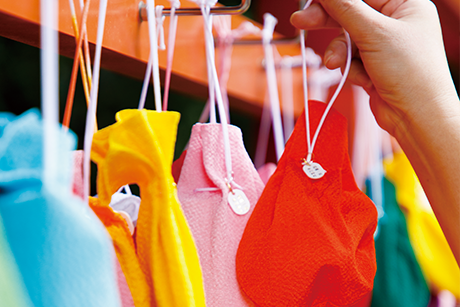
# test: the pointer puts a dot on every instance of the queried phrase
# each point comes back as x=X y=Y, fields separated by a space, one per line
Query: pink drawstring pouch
x=266 y=171
x=125 y=293
x=77 y=190
x=77 y=178
x=203 y=193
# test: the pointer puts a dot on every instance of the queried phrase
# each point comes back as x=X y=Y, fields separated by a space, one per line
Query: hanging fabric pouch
x=132 y=276
x=399 y=281
x=218 y=188
x=217 y=226
x=430 y=246
x=139 y=149
x=309 y=242
x=63 y=252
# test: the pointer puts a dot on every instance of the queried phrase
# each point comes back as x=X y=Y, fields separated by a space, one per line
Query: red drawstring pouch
x=309 y=242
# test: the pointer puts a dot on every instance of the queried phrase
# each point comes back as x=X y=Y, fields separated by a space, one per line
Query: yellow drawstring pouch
x=430 y=246
x=139 y=149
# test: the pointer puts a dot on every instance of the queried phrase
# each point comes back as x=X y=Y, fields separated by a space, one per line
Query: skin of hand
x=399 y=59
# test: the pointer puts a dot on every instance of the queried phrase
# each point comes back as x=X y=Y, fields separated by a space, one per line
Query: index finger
x=313 y=17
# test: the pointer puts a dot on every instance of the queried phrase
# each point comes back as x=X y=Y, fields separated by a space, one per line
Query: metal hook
x=276 y=40
x=218 y=10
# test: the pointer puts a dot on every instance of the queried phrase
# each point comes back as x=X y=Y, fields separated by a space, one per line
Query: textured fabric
x=116 y=228
x=125 y=250
x=399 y=281
x=77 y=178
x=266 y=171
x=443 y=299
x=177 y=166
x=430 y=246
x=139 y=149
x=12 y=289
x=128 y=204
x=310 y=242
x=217 y=229
x=125 y=292
x=62 y=250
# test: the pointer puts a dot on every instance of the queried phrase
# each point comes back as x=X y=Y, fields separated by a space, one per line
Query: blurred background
x=20 y=76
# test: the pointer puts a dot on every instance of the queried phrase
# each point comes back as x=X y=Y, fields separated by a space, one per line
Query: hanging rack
x=192 y=11
x=125 y=49
x=276 y=40
x=224 y=10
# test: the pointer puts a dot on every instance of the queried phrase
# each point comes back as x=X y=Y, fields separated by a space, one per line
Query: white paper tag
x=313 y=170
x=129 y=204
x=128 y=220
x=239 y=202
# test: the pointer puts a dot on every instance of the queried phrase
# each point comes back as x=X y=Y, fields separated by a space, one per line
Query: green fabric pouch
x=399 y=281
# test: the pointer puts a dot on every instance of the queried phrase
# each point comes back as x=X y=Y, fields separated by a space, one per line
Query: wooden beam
x=126 y=48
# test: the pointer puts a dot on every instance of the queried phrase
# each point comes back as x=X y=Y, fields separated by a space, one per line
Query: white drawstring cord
x=50 y=89
x=287 y=93
x=175 y=4
x=159 y=18
x=145 y=85
x=314 y=61
x=226 y=37
x=311 y=145
x=272 y=84
x=264 y=134
x=209 y=42
x=150 y=64
x=320 y=82
x=154 y=53
x=212 y=85
x=244 y=29
x=88 y=60
x=91 y=114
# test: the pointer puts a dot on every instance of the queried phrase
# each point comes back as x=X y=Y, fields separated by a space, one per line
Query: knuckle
x=347 y=5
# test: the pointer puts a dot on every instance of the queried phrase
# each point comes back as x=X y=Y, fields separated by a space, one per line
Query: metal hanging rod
x=218 y=10
x=276 y=41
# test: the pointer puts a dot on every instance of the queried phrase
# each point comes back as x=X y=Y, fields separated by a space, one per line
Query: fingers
x=355 y=16
x=359 y=76
x=314 y=17
x=336 y=56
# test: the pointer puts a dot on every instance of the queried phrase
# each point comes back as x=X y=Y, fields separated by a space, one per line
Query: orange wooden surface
x=126 y=48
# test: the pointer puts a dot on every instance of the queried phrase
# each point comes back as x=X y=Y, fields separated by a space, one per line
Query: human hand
x=399 y=55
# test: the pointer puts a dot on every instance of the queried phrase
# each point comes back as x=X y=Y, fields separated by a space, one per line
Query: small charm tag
x=239 y=202
x=313 y=170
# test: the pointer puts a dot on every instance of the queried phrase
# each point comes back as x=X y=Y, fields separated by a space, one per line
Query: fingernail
x=327 y=56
